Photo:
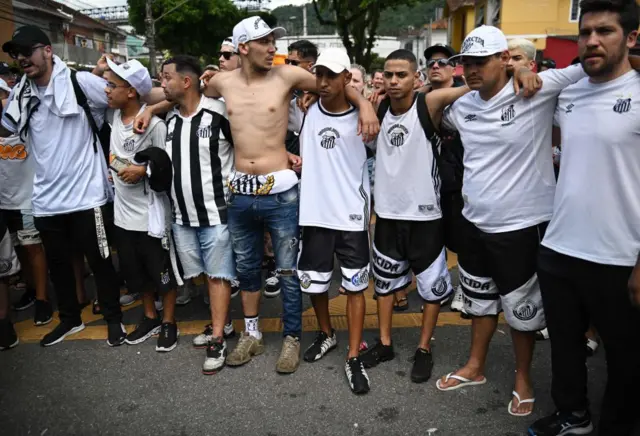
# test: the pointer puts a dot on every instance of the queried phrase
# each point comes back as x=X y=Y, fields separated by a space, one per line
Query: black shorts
x=317 y=250
x=401 y=247
x=498 y=271
x=144 y=264
x=451 y=204
x=22 y=227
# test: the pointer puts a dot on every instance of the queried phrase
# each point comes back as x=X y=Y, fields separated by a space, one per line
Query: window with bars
x=575 y=10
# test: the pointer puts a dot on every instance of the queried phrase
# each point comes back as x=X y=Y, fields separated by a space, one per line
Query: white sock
x=251 y=326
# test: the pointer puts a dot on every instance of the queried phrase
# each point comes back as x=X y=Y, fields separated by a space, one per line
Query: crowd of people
x=221 y=166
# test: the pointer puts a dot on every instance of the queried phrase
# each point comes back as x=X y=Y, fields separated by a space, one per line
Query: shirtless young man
x=264 y=190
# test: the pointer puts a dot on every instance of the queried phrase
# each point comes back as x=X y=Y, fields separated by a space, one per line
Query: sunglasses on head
x=24 y=51
x=225 y=54
x=441 y=63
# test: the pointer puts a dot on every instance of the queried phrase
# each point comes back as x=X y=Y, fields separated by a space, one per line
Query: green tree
x=196 y=28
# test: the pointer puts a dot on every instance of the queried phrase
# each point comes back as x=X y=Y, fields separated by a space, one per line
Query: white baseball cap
x=253 y=28
x=229 y=41
x=483 y=41
x=4 y=86
x=133 y=72
x=337 y=60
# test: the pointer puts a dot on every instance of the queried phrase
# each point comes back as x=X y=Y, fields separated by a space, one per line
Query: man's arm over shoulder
x=213 y=85
x=158 y=135
x=93 y=87
x=555 y=80
x=438 y=100
x=297 y=78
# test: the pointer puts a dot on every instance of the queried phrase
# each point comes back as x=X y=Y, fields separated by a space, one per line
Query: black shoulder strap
x=81 y=98
x=383 y=108
x=427 y=126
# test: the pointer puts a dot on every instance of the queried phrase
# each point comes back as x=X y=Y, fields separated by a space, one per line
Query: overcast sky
x=100 y=3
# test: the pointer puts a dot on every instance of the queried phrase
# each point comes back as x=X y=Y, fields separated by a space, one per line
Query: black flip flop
x=398 y=307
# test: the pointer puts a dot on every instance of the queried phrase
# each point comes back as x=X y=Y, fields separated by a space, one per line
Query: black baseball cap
x=439 y=48
x=5 y=69
x=26 y=36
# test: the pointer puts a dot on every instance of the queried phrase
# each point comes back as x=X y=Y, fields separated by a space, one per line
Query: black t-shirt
x=451 y=168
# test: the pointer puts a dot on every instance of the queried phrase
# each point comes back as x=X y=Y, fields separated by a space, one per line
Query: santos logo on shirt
x=397 y=135
x=204 y=132
x=508 y=114
x=129 y=144
x=622 y=105
x=329 y=136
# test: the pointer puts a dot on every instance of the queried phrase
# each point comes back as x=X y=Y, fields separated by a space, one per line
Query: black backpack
x=102 y=134
x=425 y=121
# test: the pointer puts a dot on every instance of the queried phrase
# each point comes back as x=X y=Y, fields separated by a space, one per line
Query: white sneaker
x=542 y=335
x=159 y=305
x=203 y=339
x=272 y=286
x=216 y=356
x=457 y=305
x=128 y=299
x=184 y=296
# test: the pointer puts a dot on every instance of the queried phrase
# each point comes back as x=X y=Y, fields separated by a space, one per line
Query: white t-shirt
x=508 y=181
x=69 y=174
x=596 y=215
x=131 y=202
x=407 y=182
x=16 y=174
x=334 y=190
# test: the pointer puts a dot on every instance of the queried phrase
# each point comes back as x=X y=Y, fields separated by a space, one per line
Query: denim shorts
x=205 y=250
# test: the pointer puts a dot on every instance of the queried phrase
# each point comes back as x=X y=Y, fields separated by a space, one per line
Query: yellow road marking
x=27 y=332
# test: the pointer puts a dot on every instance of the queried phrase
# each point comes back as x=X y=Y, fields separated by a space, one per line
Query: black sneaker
x=562 y=423
x=168 y=337
x=272 y=284
x=117 y=334
x=44 y=313
x=377 y=354
x=61 y=331
x=216 y=356
x=147 y=328
x=27 y=300
x=357 y=376
x=422 y=366
x=321 y=346
x=8 y=336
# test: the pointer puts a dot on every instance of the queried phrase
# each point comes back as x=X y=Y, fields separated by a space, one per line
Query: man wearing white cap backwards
x=508 y=188
x=264 y=188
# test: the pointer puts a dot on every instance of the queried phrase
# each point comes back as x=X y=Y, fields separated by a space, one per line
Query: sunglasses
x=441 y=63
x=27 y=52
x=225 y=54
x=292 y=62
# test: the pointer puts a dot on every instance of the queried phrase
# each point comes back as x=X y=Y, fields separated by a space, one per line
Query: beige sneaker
x=246 y=348
x=289 y=359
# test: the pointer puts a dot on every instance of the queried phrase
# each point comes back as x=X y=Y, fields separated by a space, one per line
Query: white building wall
x=383 y=46
x=418 y=44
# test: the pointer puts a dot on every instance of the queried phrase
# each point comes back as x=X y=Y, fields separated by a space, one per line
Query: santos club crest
x=328 y=137
x=397 y=135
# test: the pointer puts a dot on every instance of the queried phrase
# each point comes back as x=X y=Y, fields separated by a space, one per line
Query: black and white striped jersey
x=200 y=148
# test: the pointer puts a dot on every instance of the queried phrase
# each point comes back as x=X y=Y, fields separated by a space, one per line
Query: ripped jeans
x=248 y=217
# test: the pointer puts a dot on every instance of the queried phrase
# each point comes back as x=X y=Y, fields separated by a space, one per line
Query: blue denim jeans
x=249 y=215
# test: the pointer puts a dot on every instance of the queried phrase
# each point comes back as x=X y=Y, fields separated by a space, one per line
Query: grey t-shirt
x=16 y=174
x=131 y=204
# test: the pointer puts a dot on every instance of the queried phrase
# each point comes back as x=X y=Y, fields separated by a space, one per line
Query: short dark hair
x=404 y=55
x=185 y=65
x=305 y=49
x=627 y=11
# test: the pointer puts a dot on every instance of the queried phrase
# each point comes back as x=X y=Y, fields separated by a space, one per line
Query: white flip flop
x=529 y=400
x=464 y=382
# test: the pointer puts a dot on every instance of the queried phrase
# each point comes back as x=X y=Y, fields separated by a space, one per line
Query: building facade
x=383 y=45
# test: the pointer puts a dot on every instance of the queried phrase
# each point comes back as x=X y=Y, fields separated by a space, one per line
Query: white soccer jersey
x=201 y=152
x=407 y=182
x=596 y=215
x=508 y=181
x=334 y=191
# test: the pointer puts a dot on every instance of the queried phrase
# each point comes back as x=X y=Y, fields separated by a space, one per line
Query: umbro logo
x=622 y=105
x=470 y=117
x=569 y=108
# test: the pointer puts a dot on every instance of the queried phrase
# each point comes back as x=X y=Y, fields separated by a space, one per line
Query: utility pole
x=151 y=38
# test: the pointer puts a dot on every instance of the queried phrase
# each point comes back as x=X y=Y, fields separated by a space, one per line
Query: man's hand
x=305 y=102
x=295 y=161
x=208 y=75
x=526 y=79
x=634 y=285
x=142 y=120
x=368 y=123
x=102 y=65
x=132 y=173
